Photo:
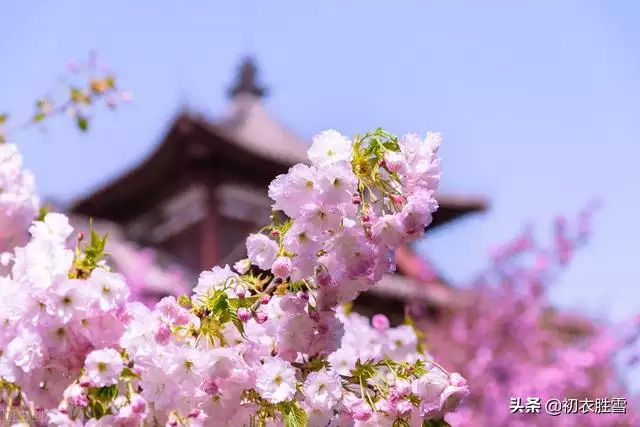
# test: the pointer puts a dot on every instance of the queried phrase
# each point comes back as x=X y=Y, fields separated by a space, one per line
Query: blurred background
x=538 y=103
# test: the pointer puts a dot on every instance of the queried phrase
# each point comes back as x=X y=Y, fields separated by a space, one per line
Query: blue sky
x=539 y=102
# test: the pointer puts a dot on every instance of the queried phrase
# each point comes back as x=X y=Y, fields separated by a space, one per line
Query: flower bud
x=197 y=414
x=84 y=381
x=244 y=314
x=264 y=299
x=172 y=421
x=75 y=394
x=282 y=267
x=393 y=161
x=361 y=412
x=126 y=96
x=63 y=407
x=457 y=380
x=182 y=317
x=110 y=101
x=380 y=322
x=261 y=318
x=162 y=334
x=240 y=291
x=138 y=404
x=397 y=199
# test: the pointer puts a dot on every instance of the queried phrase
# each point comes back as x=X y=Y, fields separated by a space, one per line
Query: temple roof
x=248 y=125
x=407 y=289
x=246 y=133
x=251 y=130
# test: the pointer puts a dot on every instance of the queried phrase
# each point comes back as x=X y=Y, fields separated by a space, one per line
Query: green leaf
x=103 y=241
x=295 y=416
x=44 y=210
x=107 y=394
x=95 y=237
x=82 y=122
x=98 y=410
x=374 y=171
x=246 y=302
x=221 y=304
x=347 y=308
x=128 y=374
x=94 y=250
x=110 y=81
x=435 y=423
x=184 y=301
x=76 y=95
x=365 y=370
x=39 y=117
x=3 y=118
x=408 y=320
x=237 y=323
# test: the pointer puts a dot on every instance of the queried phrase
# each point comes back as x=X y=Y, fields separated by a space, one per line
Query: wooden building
x=204 y=188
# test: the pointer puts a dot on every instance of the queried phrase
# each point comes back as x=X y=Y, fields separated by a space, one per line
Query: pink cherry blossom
x=258 y=344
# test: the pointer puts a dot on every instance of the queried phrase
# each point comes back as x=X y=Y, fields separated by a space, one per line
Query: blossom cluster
x=511 y=342
x=55 y=312
x=261 y=343
x=19 y=203
x=72 y=97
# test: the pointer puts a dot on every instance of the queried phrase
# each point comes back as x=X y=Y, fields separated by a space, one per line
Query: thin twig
x=268 y=291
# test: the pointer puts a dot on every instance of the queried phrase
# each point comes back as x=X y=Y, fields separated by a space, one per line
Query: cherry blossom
x=266 y=343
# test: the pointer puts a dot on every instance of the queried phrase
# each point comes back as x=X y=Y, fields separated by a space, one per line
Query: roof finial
x=246 y=80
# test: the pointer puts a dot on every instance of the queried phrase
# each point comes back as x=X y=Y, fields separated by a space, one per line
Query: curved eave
x=97 y=203
x=394 y=286
x=190 y=138
x=452 y=207
x=252 y=129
